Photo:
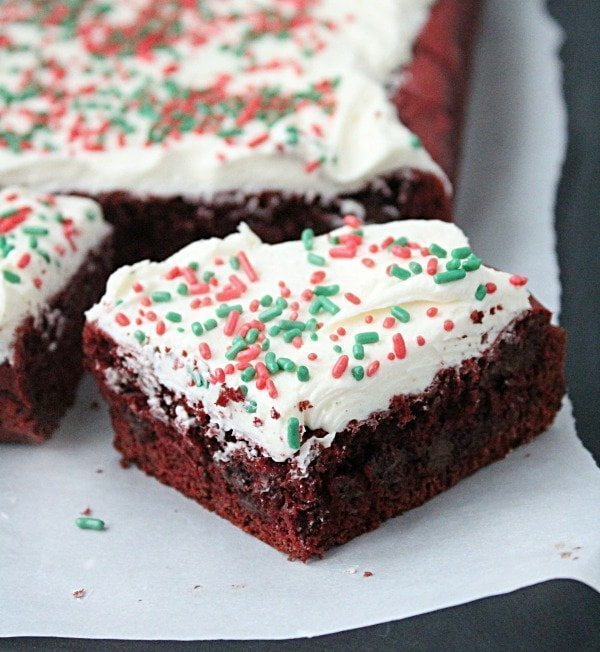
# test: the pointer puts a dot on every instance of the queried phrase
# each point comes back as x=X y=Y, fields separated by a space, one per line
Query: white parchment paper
x=167 y=569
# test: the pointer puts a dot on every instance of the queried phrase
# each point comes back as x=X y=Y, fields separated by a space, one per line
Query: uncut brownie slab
x=309 y=390
x=55 y=256
x=184 y=119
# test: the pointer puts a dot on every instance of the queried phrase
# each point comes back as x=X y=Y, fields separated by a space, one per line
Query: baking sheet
x=167 y=569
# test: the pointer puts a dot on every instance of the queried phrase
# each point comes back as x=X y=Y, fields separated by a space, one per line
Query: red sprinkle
x=342 y=252
x=432 y=265
x=340 y=366
x=317 y=277
x=160 y=328
x=247 y=267
x=258 y=140
x=312 y=356
x=352 y=298
x=122 y=319
x=432 y=312
x=518 y=281
x=174 y=272
x=23 y=261
x=271 y=388
x=352 y=221
x=372 y=368
x=399 y=346
x=389 y=322
x=368 y=262
x=205 y=351
x=401 y=252
x=138 y=287
x=254 y=305
x=231 y=322
x=307 y=295
x=491 y=288
x=448 y=325
x=420 y=340
x=369 y=319
x=391 y=356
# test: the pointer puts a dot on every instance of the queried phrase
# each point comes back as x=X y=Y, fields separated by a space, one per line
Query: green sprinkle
x=271 y=362
x=234 y=262
x=334 y=239
x=244 y=389
x=238 y=344
x=461 y=252
x=480 y=292
x=471 y=263
x=252 y=335
x=248 y=374
x=250 y=407
x=399 y=272
x=207 y=276
x=266 y=343
x=11 y=277
x=337 y=348
x=140 y=336
x=161 y=297
x=438 y=251
x=308 y=236
x=223 y=310
x=314 y=337
x=366 y=338
x=269 y=314
x=286 y=364
x=329 y=306
x=173 y=316
x=194 y=266
x=415 y=267
x=448 y=277
x=34 y=230
x=290 y=335
x=281 y=303
x=453 y=263
x=293 y=433
x=209 y=324
x=266 y=301
x=302 y=373
x=326 y=290
x=182 y=289
x=311 y=324
x=358 y=372
x=197 y=328
x=358 y=351
x=286 y=325
x=87 y=523
x=314 y=259
x=274 y=331
x=400 y=314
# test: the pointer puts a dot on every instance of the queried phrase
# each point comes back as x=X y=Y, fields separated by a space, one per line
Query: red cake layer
x=430 y=101
x=375 y=469
x=40 y=384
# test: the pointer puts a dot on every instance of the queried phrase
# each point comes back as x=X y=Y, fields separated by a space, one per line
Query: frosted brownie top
x=271 y=339
x=44 y=240
x=176 y=97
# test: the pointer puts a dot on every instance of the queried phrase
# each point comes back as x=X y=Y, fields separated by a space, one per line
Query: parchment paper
x=167 y=569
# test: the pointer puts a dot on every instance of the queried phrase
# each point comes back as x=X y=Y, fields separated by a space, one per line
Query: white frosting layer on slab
x=312 y=301
x=225 y=95
x=44 y=240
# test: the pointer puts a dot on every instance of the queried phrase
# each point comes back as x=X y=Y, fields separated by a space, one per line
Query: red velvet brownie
x=309 y=390
x=183 y=119
x=54 y=259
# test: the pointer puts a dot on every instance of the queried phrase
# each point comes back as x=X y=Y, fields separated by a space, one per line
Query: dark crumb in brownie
x=94 y=405
x=79 y=594
x=229 y=394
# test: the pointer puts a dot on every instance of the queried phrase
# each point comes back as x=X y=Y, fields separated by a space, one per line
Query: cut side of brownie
x=55 y=256
x=185 y=120
x=309 y=390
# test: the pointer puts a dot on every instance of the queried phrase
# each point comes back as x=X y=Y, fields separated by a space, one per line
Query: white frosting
x=130 y=312
x=356 y=45
x=44 y=240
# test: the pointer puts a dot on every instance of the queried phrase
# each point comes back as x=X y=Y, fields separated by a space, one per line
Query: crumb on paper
x=567 y=552
x=351 y=571
x=79 y=594
x=198 y=586
x=239 y=586
x=99 y=470
x=367 y=574
x=87 y=511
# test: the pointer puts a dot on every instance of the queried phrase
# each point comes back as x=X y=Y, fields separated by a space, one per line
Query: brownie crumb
x=87 y=511
x=304 y=405
x=227 y=395
x=367 y=574
x=274 y=414
x=94 y=405
x=477 y=316
x=79 y=594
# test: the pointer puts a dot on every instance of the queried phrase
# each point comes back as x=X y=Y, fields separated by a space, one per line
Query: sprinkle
x=432 y=265
x=161 y=297
x=87 y=523
x=160 y=328
x=205 y=351
x=352 y=221
x=358 y=351
x=140 y=336
x=302 y=373
x=399 y=346
x=368 y=262
x=173 y=316
x=11 y=277
x=366 y=337
x=182 y=289
x=308 y=239
x=453 y=263
x=471 y=263
x=24 y=261
x=293 y=433
x=231 y=322
x=517 y=281
x=448 y=325
x=491 y=288
x=271 y=389
x=352 y=298
x=248 y=374
x=415 y=267
x=340 y=366
x=247 y=267
x=480 y=292
x=271 y=362
x=400 y=314
x=122 y=319
x=389 y=322
x=250 y=407
x=326 y=290
x=420 y=340
x=317 y=277
x=432 y=312
x=209 y=324
x=448 y=277
x=438 y=251
x=358 y=372
x=270 y=313
x=314 y=259
x=461 y=252
x=372 y=368
x=399 y=272
x=197 y=328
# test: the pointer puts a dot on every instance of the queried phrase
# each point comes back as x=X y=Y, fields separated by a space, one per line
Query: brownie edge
x=375 y=469
x=40 y=384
